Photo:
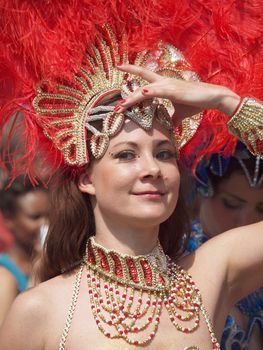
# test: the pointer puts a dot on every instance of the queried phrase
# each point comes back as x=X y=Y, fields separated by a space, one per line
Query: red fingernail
x=122 y=100
x=145 y=91
x=116 y=108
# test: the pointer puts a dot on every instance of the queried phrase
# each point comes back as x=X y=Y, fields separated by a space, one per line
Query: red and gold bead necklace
x=127 y=294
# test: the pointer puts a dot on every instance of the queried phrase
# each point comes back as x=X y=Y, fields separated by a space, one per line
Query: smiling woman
x=113 y=272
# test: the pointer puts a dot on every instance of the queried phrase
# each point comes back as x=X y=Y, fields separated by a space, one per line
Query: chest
x=84 y=333
x=147 y=320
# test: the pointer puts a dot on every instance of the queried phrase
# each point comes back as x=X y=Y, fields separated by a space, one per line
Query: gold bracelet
x=247 y=125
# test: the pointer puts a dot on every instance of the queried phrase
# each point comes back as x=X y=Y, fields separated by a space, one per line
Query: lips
x=157 y=193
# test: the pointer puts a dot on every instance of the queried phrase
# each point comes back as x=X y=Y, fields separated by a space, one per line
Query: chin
x=149 y=218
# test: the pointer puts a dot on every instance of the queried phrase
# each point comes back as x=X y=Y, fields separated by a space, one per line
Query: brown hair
x=72 y=223
x=11 y=192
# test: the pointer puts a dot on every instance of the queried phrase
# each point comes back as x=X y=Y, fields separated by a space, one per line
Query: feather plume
x=46 y=40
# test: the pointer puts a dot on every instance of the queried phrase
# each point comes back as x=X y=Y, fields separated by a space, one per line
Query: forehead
x=131 y=132
x=33 y=201
x=237 y=184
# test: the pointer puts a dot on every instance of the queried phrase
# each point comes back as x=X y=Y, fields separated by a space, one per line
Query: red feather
x=222 y=40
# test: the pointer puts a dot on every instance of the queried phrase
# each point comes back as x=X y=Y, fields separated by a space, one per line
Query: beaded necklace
x=118 y=284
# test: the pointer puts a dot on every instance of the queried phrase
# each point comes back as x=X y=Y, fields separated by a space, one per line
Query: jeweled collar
x=127 y=294
x=144 y=272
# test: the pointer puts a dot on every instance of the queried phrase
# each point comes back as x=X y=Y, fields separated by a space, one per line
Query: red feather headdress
x=46 y=41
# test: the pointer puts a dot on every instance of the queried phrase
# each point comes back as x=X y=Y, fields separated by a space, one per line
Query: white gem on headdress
x=190 y=75
x=152 y=66
x=176 y=55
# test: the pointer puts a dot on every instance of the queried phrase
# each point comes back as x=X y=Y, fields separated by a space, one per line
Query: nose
x=150 y=167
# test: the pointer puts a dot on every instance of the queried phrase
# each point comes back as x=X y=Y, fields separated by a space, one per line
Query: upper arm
x=229 y=266
x=8 y=292
x=23 y=327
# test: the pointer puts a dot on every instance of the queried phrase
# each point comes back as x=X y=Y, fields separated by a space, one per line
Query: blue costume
x=234 y=337
x=21 y=278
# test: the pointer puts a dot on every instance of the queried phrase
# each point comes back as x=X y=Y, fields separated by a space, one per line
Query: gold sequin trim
x=247 y=125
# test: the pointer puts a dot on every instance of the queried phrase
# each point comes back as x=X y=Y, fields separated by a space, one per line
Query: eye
x=165 y=154
x=35 y=216
x=125 y=155
x=231 y=205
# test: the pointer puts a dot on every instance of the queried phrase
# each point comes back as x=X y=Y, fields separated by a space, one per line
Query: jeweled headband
x=217 y=165
x=74 y=108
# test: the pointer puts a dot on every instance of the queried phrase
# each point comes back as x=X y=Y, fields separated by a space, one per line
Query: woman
x=143 y=179
x=231 y=188
x=24 y=210
x=123 y=189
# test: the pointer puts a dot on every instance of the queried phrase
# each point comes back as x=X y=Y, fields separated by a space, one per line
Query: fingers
x=144 y=73
x=143 y=93
x=135 y=98
x=146 y=92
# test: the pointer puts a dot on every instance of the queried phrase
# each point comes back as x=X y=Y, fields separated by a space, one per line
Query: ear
x=85 y=184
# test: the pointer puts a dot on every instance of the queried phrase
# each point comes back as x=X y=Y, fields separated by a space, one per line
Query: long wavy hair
x=72 y=223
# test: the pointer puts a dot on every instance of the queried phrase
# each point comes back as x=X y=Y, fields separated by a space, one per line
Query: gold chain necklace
x=127 y=294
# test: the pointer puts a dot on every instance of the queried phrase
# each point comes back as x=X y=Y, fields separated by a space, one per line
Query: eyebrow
x=134 y=144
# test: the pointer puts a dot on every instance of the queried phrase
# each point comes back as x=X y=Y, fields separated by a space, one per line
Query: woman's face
x=234 y=204
x=32 y=210
x=136 y=182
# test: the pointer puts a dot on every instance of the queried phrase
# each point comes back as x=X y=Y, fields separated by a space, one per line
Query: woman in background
x=230 y=195
x=25 y=210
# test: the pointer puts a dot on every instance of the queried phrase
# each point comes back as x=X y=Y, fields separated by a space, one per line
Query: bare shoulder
x=34 y=306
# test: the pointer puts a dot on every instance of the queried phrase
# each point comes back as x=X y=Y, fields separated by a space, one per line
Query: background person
x=230 y=194
x=24 y=209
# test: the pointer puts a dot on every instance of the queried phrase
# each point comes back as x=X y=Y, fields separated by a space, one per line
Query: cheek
x=27 y=227
x=217 y=217
x=114 y=179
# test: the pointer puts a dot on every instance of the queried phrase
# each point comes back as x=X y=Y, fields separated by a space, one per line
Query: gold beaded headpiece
x=74 y=110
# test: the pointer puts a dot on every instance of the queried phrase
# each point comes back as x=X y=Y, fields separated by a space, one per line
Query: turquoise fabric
x=21 y=278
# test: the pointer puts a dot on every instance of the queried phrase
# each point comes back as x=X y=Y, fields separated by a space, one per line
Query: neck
x=22 y=258
x=127 y=240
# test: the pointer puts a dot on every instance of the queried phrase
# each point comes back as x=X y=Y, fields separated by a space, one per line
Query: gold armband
x=247 y=125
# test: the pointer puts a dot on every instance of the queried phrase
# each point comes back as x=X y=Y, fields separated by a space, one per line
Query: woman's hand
x=188 y=98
